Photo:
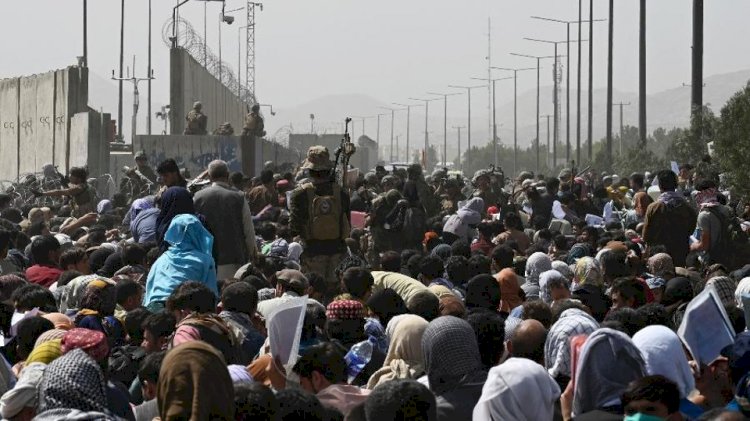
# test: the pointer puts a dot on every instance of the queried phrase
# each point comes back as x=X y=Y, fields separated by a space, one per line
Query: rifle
x=347 y=149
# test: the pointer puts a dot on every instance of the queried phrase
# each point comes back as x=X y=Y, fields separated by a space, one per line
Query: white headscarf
x=661 y=349
x=518 y=389
x=742 y=288
x=545 y=292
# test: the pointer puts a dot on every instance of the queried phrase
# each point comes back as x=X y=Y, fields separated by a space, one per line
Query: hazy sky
x=387 y=49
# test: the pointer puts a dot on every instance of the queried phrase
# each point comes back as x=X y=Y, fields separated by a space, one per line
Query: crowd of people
x=428 y=297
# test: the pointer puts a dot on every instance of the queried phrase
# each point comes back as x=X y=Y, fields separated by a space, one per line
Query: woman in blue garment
x=187 y=259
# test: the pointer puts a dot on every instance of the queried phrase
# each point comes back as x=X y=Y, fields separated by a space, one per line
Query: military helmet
x=318 y=159
x=479 y=174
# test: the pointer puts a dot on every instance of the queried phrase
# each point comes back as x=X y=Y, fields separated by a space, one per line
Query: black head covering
x=677 y=290
x=98 y=258
x=386 y=304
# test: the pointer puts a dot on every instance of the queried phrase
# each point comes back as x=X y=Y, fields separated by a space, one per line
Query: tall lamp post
x=468 y=123
x=538 y=68
x=445 y=122
x=515 y=112
x=407 y=107
x=393 y=117
x=567 y=79
x=426 y=133
x=556 y=101
x=494 y=114
x=377 y=134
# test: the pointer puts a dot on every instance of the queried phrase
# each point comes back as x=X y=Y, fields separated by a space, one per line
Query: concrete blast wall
x=189 y=82
x=36 y=113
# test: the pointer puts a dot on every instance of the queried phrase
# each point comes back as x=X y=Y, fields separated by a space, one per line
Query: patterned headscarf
x=90 y=341
x=345 y=310
x=451 y=354
x=725 y=286
x=587 y=272
x=545 y=291
x=536 y=265
x=73 y=381
x=572 y=322
x=743 y=288
x=45 y=353
x=661 y=265
x=50 y=335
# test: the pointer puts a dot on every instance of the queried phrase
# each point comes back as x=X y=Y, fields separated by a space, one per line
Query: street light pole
x=393 y=117
x=622 y=128
x=642 y=75
x=494 y=114
x=567 y=88
x=426 y=133
x=150 y=71
x=122 y=64
x=515 y=113
x=445 y=122
x=460 y=161
x=407 y=107
x=538 y=69
x=468 y=92
x=591 y=81
x=546 y=160
x=610 y=43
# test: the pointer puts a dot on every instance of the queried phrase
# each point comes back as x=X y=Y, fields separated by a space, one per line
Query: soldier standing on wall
x=254 y=123
x=196 y=121
x=320 y=216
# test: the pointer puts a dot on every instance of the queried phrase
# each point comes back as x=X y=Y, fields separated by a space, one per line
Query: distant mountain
x=669 y=108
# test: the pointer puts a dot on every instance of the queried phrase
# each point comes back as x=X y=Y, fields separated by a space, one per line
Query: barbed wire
x=192 y=42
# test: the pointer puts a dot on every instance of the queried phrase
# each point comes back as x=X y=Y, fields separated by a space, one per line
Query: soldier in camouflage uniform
x=320 y=215
x=254 y=125
x=225 y=129
x=196 y=121
x=483 y=188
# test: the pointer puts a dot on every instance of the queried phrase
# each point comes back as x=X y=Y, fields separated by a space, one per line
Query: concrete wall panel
x=62 y=89
x=9 y=128
x=79 y=136
x=45 y=115
x=190 y=82
x=29 y=126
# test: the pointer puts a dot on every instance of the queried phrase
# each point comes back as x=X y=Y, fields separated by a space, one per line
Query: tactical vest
x=327 y=221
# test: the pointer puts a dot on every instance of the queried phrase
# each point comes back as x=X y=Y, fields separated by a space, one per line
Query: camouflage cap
x=479 y=174
x=140 y=155
x=318 y=159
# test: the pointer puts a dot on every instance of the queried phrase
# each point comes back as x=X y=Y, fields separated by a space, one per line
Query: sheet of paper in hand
x=705 y=327
x=284 y=325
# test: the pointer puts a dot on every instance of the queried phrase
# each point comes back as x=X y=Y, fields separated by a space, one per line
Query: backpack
x=395 y=220
x=327 y=221
x=731 y=240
